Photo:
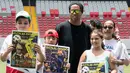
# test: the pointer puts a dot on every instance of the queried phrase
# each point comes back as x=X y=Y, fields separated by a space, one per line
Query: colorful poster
x=57 y=58
x=23 y=55
x=94 y=67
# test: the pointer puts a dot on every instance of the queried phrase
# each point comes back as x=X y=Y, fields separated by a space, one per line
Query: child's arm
x=40 y=56
x=68 y=65
x=4 y=55
x=124 y=58
x=112 y=65
x=126 y=55
x=39 y=65
x=82 y=59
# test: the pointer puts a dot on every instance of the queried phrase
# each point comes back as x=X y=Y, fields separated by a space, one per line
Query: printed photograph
x=24 y=55
x=57 y=58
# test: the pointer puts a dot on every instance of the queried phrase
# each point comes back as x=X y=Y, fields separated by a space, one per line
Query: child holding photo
x=23 y=21
x=97 y=53
x=50 y=37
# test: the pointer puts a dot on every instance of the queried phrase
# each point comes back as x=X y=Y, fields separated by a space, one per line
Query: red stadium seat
x=113 y=8
x=52 y=12
x=3 y=9
x=94 y=14
x=85 y=4
x=13 y=12
x=1 y=18
x=56 y=12
x=104 y=14
x=43 y=13
x=122 y=10
x=118 y=14
x=5 y=19
x=127 y=14
x=11 y=7
x=107 y=14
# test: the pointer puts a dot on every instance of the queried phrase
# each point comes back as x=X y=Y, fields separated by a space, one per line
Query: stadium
x=46 y=14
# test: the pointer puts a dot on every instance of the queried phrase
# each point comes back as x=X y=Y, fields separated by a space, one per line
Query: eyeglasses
x=74 y=11
x=109 y=27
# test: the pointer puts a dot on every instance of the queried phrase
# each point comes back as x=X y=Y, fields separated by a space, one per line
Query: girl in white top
x=114 y=45
x=97 y=53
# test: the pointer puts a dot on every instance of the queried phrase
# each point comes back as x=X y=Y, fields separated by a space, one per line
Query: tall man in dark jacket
x=75 y=34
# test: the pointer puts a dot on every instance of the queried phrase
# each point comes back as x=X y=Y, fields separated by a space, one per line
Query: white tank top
x=92 y=58
x=100 y=58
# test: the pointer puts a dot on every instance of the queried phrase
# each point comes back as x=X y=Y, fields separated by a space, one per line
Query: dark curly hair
x=79 y=4
x=96 y=23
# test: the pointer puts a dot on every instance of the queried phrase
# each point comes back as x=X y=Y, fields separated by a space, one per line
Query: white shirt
x=115 y=47
x=117 y=50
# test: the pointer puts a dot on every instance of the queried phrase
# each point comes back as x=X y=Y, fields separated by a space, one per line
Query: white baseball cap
x=24 y=14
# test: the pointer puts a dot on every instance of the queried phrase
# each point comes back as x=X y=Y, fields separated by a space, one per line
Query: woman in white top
x=114 y=45
x=97 y=53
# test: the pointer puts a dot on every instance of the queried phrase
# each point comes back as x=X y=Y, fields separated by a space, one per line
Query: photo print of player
x=24 y=55
x=57 y=58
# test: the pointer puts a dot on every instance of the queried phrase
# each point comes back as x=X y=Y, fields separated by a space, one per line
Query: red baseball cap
x=51 y=32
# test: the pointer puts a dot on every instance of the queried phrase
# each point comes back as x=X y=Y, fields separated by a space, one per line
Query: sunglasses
x=74 y=11
x=109 y=27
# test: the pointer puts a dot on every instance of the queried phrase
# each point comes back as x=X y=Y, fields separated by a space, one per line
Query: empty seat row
x=50 y=22
x=45 y=7
x=10 y=7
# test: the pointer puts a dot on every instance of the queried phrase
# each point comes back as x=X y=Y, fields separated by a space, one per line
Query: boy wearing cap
x=50 y=37
x=23 y=20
